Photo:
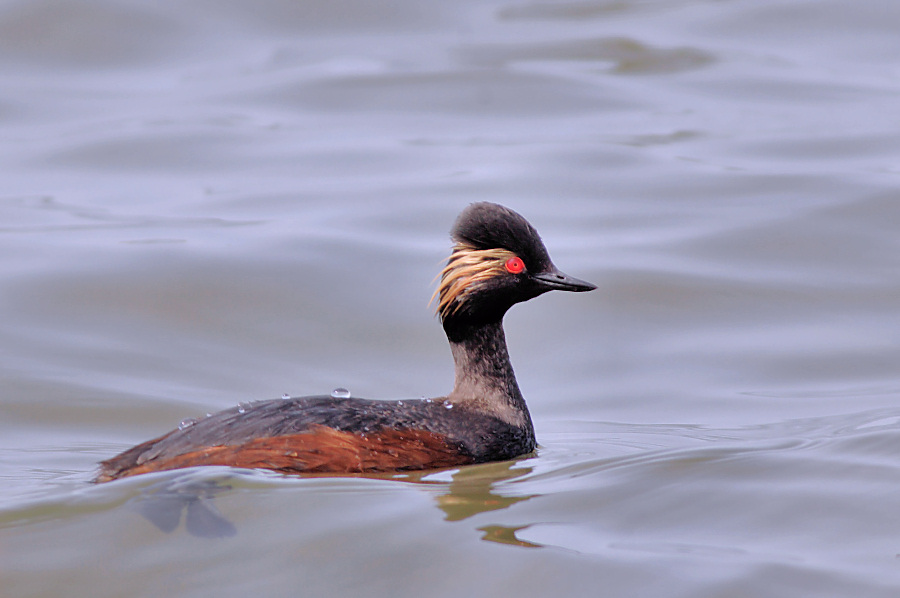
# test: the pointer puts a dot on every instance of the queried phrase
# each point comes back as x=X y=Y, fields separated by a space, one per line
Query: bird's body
x=499 y=260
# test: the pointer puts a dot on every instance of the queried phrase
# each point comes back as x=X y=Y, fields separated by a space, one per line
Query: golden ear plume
x=466 y=270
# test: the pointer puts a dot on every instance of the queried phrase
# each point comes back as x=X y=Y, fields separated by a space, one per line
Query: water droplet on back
x=186 y=423
x=448 y=405
x=285 y=396
x=340 y=393
x=243 y=407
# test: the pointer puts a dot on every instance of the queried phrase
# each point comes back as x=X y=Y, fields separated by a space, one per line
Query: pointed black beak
x=557 y=281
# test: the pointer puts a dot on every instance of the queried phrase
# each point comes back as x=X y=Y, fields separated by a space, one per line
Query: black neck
x=484 y=376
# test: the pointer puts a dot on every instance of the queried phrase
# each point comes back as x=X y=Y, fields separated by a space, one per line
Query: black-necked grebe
x=498 y=260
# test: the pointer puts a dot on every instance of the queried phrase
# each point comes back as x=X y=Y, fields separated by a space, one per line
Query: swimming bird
x=498 y=260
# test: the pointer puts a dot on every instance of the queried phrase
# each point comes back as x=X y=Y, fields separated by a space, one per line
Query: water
x=208 y=202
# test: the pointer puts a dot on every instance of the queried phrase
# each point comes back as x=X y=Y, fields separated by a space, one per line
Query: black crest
x=485 y=225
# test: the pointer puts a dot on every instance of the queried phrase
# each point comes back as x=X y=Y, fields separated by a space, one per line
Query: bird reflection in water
x=470 y=491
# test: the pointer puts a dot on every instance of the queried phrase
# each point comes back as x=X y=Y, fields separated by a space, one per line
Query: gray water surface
x=205 y=203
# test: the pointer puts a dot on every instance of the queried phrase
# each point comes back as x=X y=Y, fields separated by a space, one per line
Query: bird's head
x=498 y=260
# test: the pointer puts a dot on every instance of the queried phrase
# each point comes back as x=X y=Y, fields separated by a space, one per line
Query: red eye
x=515 y=265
